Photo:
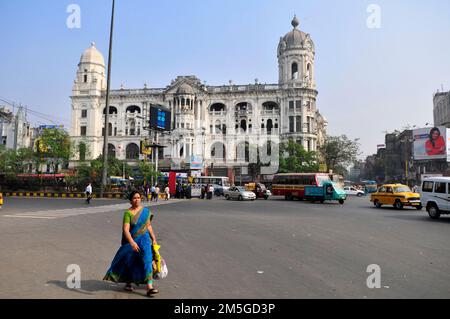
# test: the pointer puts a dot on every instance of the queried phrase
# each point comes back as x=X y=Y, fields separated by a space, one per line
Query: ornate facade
x=226 y=126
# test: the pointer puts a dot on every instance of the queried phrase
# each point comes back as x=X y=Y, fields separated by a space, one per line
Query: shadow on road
x=90 y=287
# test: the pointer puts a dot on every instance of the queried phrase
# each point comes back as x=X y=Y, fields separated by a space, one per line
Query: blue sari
x=129 y=266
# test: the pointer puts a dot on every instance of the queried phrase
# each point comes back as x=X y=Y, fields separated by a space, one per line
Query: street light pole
x=105 y=139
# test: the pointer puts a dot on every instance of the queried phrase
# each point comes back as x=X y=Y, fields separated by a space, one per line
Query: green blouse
x=128 y=217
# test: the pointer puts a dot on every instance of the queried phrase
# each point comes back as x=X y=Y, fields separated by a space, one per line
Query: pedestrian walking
x=153 y=192
x=167 y=192
x=133 y=261
x=203 y=192
x=157 y=192
x=211 y=191
x=88 y=192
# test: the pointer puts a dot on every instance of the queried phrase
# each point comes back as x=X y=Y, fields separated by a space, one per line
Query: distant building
x=14 y=129
x=441 y=109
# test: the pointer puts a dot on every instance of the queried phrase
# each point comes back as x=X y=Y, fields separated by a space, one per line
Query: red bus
x=292 y=185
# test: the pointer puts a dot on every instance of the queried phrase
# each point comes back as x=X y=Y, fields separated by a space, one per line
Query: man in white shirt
x=88 y=192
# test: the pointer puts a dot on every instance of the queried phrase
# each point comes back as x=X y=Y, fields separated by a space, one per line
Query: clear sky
x=369 y=80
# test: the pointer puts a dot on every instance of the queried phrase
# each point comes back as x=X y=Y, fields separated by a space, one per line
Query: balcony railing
x=217 y=113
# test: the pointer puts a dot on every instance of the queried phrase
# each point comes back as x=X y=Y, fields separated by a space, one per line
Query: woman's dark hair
x=132 y=195
x=434 y=129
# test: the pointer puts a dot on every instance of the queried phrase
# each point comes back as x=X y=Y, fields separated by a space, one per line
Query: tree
x=295 y=159
x=148 y=172
x=339 y=153
x=54 y=146
x=115 y=168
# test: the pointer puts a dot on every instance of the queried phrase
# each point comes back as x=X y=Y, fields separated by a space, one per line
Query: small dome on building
x=93 y=56
x=185 y=89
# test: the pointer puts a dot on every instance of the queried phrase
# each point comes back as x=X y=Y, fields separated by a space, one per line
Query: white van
x=435 y=196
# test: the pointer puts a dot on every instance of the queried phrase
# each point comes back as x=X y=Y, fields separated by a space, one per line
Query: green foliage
x=295 y=159
x=148 y=172
x=115 y=168
x=339 y=153
x=55 y=148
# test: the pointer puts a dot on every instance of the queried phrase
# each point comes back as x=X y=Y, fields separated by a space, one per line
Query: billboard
x=431 y=143
x=196 y=162
x=160 y=118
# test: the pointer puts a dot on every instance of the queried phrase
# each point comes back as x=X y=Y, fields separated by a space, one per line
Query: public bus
x=292 y=185
x=218 y=182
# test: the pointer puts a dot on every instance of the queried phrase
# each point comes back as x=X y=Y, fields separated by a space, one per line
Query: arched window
x=271 y=108
x=112 y=110
x=294 y=71
x=111 y=151
x=132 y=152
x=133 y=109
x=309 y=70
x=217 y=107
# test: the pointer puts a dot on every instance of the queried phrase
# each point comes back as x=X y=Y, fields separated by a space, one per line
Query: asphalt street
x=229 y=249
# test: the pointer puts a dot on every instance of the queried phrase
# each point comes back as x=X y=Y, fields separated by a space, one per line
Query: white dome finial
x=93 y=44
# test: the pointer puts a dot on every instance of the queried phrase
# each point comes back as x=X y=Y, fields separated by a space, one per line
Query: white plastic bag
x=164 y=270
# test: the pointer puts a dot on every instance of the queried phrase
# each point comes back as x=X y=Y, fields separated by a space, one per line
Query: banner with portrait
x=431 y=143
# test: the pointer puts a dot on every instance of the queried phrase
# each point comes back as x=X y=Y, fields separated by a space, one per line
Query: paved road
x=229 y=249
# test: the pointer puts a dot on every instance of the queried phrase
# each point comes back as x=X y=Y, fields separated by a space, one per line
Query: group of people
x=183 y=191
x=152 y=193
x=207 y=191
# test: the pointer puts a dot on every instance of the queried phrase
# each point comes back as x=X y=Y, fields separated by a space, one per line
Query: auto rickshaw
x=259 y=189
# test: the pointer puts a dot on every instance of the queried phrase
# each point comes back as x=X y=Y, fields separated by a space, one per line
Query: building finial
x=295 y=23
x=93 y=44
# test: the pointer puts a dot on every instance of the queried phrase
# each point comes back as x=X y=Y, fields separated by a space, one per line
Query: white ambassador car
x=353 y=191
x=239 y=193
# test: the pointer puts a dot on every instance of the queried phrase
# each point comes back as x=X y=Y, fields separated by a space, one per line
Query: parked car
x=397 y=195
x=239 y=193
x=435 y=194
x=219 y=190
x=350 y=190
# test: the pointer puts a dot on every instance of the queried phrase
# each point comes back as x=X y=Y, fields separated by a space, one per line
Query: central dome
x=93 y=56
x=185 y=89
x=295 y=38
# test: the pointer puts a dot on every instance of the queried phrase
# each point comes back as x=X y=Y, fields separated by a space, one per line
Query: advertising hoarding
x=431 y=143
x=160 y=118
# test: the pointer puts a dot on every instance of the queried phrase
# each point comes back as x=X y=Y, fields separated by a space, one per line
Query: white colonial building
x=223 y=126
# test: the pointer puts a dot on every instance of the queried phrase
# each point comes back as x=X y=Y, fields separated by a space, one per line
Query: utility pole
x=16 y=127
x=105 y=140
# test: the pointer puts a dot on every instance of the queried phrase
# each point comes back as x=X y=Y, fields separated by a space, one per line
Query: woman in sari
x=133 y=261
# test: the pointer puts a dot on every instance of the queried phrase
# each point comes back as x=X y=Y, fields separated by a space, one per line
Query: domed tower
x=87 y=111
x=296 y=58
x=91 y=72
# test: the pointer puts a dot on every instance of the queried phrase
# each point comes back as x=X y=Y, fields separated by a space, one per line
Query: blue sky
x=369 y=80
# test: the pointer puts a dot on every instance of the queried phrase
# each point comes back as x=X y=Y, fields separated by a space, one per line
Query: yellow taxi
x=397 y=195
